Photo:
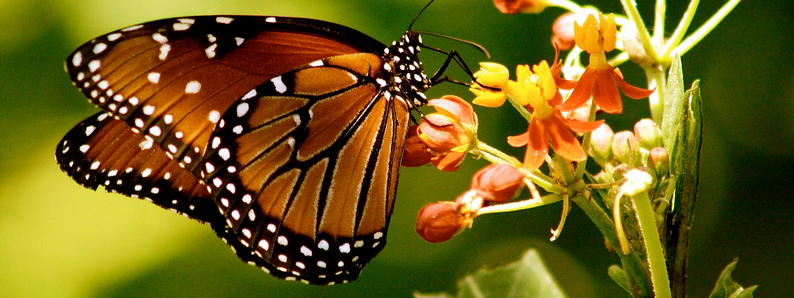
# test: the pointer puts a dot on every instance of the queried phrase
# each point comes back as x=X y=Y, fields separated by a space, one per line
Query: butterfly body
x=284 y=135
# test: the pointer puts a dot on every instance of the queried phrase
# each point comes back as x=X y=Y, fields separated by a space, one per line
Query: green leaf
x=619 y=276
x=675 y=106
x=434 y=295
x=727 y=288
x=525 y=278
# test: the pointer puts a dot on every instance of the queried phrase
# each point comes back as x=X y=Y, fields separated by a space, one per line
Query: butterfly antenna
x=474 y=44
x=419 y=14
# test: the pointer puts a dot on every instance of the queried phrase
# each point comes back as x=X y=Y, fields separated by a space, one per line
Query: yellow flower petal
x=492 y=75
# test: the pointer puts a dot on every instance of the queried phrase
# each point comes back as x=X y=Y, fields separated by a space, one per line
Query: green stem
x=568 y=5
x=658 y=22
x=632 y=264
x=656 y=79
x=521 y=109
x=680 y=31
x=704 y=30
x=653 y=245
x=562 y=164
x=580 y=167
x=521 y=205
x=493 y=155
x=645 y=37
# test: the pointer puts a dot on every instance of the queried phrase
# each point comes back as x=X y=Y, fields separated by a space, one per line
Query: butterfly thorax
x=407 y=79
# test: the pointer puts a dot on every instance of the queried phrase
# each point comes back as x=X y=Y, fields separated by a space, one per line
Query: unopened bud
x=648 y=134
x=497 y=182
x=601 y=144
x=438 y=222
x=659 y=161
x=625 y=148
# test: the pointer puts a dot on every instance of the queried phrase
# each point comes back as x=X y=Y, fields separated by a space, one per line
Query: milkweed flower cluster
x=561 y=101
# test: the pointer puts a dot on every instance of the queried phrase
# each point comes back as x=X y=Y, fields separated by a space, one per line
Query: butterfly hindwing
x=307 y=173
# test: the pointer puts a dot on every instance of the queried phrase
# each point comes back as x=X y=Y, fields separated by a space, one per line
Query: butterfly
x=284 y=135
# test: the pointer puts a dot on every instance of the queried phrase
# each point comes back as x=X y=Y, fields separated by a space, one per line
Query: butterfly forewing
x=172 y=79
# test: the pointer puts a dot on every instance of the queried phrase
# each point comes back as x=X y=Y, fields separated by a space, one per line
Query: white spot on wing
x=210 y=50
x=280 y=87
x=224 y=20
x=214 y=116
x=164 y=49
x=99 y=48
x=242 y=109
x=181 y=26
x=114 y=36
x=153 y=77
x=148 y=110
x=94 y=65
x=270 y=19
x=146 y=144
x=192 y=87
x=159 y=38
x=77 y=59
x=131 y=28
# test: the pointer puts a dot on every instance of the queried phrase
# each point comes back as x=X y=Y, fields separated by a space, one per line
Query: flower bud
x=416 y=153
x=438 y=222
x=659 y=161
x=562 y=29
x=619 y=171
x=601 y=144
x=625 y=148
x=524 y=6
x=451 y=127
x=648 y=134
x=497 y=182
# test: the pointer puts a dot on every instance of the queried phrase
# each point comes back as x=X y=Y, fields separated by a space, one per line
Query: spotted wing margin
x=102 y=151
x=305 y=166
x=172 y=79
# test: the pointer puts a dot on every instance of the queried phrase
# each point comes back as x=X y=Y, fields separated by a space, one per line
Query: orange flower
x=537 y=89
x=525 y=6
x=497 y=182
x=600 y=80
x=450 y=132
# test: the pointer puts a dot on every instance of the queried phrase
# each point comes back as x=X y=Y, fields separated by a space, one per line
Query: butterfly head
x=401 y=61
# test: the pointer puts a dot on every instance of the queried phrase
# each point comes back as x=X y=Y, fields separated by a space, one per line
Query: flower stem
x=632 y=264
x=580 y=167
x=704 y=30
x=680 y=31
x=565 y=4
x=645 y=37
x=520 y=205
x=521 y=109
x=653 y=245
x=658 y=22
x=493 y=155
x=656 y=79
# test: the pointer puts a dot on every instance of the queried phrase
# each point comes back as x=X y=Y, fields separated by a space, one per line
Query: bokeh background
x=60 y=240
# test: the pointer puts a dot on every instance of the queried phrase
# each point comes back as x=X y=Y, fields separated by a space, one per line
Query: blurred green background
x=60 y=240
